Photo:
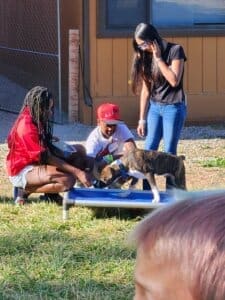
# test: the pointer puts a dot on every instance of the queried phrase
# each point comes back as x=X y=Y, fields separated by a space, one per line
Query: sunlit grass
x=42 y=257
x=86 y=257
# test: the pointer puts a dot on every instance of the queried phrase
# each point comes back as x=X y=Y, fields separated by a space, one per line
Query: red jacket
x=23 y=143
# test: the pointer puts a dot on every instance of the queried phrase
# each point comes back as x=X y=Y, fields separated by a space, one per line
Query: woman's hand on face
x=141 y=130
x=156 y=50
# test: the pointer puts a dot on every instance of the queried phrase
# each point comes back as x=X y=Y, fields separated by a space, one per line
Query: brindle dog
x=145 y=164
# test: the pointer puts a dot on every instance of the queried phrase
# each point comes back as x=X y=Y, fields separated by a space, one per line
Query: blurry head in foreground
x=181 y=250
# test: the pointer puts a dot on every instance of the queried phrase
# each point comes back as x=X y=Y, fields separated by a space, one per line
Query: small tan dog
x=143 y=164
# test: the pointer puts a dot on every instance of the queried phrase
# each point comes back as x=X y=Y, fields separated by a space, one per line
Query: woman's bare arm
x=67 y=168
x=171 y=73
x=144 y=103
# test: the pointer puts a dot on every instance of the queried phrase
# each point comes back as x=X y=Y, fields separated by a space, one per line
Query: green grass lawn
x=42 y=257
x=86 y=257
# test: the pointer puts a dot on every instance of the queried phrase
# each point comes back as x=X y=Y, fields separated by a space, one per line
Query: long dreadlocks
x=38 y=100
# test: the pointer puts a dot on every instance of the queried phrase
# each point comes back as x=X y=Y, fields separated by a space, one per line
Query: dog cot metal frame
x=94 y=197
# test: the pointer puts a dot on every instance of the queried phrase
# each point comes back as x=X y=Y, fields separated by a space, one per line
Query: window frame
x=104 y=32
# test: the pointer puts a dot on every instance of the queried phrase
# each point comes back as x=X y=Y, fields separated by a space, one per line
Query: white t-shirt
x=98 y=145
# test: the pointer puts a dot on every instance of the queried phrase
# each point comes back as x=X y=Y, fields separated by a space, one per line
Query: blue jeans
x=165 y=122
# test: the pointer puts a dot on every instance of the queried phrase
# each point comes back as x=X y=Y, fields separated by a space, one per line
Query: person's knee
x=66 y=181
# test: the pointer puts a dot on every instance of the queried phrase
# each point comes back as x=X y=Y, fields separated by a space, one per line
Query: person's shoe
x=19 y=201
x=52 y=197
x=20 y=196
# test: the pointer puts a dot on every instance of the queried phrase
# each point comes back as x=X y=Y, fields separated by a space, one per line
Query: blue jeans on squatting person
x=164 y=122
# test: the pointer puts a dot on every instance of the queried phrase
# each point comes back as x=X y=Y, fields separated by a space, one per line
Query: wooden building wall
x=72 y=18
x=110 y=61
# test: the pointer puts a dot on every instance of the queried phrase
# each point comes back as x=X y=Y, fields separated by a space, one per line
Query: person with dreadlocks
x=157 y=72
x=30 y=164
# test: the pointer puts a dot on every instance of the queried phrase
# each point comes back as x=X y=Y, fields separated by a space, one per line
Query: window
x=171 y=17
x=120 y=17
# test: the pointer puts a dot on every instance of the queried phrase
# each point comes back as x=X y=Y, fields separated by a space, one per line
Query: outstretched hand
x=83 y=177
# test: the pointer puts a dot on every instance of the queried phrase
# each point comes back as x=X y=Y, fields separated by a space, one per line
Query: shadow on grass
x=6 y=200
x=97 y=212
x=120 y=213
x=75 y=289
x=30 y=200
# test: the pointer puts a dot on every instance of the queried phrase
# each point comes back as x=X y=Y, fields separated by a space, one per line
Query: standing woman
x=159 y=66
x=30 y=164
x=158 y=69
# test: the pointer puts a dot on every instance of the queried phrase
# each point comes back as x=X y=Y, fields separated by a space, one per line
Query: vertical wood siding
x=194 y=65
x=220 y=62
x=209 y=65
x=119 y=67
x=110 y=64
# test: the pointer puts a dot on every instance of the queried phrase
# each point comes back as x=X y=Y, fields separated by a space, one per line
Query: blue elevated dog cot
x=94 y=197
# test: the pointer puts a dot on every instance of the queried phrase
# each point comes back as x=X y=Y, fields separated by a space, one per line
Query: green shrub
x=217 y=162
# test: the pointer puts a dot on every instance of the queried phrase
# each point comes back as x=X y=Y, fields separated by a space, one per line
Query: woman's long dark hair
x=38 y=101
x=142 y=67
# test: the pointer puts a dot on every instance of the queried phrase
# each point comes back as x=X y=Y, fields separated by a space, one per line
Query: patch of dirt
x=198 y=144
x=196 y=153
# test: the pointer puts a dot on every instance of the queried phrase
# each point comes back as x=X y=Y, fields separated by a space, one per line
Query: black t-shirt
x=164 y=93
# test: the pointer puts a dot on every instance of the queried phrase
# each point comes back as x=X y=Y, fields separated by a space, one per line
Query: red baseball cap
x=109 y=113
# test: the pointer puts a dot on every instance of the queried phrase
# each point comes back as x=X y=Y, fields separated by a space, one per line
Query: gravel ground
x=79 y=132
x=67 y=132
x=198 y=143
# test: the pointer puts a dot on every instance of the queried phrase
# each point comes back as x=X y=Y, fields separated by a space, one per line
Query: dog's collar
x=116 y=162
x=123 y=171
